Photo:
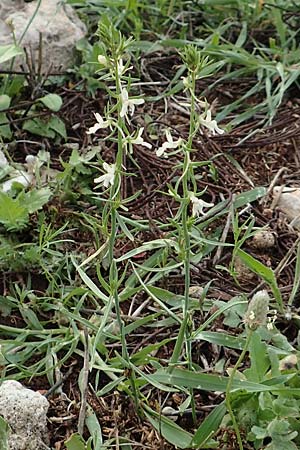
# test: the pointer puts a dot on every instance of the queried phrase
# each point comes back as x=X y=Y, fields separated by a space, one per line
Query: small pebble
x=263 y=239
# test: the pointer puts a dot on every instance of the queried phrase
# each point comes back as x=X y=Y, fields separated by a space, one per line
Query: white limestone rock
x=25 y=412
x=60 y=26
x=288 y=201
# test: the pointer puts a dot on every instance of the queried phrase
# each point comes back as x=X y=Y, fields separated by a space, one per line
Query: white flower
x=210 y=124
x=137 y=140
x=198 y=205
x=100 y=124
x=108 y=177
x=3 y=160
x=31 y=163
x=129 y=103
x=23 y=178
x=170 y=143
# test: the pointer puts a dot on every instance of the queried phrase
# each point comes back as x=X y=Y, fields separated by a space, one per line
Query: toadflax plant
x=117 y=120
x=185 y=190
x=195 y=65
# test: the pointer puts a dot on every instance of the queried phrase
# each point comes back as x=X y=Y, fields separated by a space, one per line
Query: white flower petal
x=161 y=151
x=124 y=95
x=3 y=160
x=169 y=143
x=198 y=205
x=100 y=124
x=137 y=101
x=107 y=178
x=211 y=125
x=124 y=110
x=93 y=129
x=129 y=103
x=139 y=139
x=146 y=144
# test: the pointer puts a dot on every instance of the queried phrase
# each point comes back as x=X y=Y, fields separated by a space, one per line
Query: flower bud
x=102 y=60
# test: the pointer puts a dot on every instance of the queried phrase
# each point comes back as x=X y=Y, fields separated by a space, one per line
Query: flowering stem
x=115 y=202
x=229 y=385
x=184 y=332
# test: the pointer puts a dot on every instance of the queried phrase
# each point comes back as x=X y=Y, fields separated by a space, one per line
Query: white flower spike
x=211 y=125
x=198 y=205
x=100 y=124
x=108 y=178
x=129 y=103
x=170 y=143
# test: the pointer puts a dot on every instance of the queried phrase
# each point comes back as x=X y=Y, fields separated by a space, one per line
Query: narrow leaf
x=209 y=426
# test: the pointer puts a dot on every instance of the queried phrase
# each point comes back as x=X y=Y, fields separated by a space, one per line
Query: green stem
x=184 y=331
x=113 y=275
x=229 y=385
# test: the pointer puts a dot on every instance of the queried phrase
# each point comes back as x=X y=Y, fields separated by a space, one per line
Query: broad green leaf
x=282 y=444
x=39 y=127
x=8 y=52
x=223 y=339
x=209 y=382
x=13 y=215
x=5 y=130
x=142 y=356
x=259 y=359
x=4 y=101
x=52 y=101
x=75 y=442
x=110 y=386
x=57 y=125
x=167 y=296
x=36 y=199
x=157 y=300
x=240 y=200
